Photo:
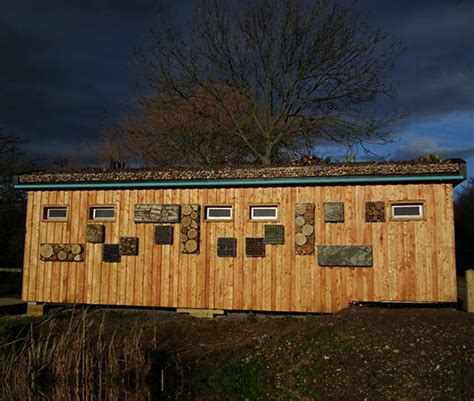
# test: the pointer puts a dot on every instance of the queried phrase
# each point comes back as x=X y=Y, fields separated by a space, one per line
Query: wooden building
x=289 y=239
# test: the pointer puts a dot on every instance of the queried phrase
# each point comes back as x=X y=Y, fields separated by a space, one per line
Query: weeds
x=80 y=361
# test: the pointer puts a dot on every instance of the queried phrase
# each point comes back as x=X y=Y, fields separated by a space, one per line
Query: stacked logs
x=304 y=228
x=61 y=252
x=189 y=233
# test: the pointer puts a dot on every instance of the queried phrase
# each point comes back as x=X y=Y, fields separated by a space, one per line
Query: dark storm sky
x=66 y=64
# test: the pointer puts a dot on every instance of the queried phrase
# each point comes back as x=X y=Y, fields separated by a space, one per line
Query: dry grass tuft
x=82 y=361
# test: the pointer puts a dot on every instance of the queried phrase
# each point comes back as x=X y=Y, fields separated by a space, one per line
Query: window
x=218 y=212
x=407 y=211
x=263 y=212
x=55 y=213
x=102 y=213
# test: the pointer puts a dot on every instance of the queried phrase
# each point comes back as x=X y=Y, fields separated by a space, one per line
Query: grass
x=78 y=359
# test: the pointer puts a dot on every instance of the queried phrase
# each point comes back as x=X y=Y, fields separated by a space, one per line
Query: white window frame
x=419 y=216
x=226 y=218
x=92 y=213
x=51 y=218
x=259 y=207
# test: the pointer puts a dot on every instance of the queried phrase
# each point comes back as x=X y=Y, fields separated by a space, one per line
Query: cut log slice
x=186 y=210
x=192 y=233
x=194 y=215
x=186 y=221
x=67 y=248
x=195 y=207
x=62 y=255
x=194 y=224
x=191 y=246
x=183 y=237
x=300 y=221
x=46 y=251
x=300 y=239
x=76 y=249
x=78 y=258
x=300 y=208
x=307 y=229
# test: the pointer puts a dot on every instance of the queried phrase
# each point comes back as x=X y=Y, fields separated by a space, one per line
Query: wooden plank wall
x=413 y=260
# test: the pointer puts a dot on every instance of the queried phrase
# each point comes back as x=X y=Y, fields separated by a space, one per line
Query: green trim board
x=245 y=182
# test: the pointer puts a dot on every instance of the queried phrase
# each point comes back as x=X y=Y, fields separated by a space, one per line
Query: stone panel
x=304 y=228
x=274 y=234
x=157 y=213
x=164 y=235
x=111 y=253
x=374 y=212
x=333 y=212
x=128 y=246
x=226 y=247
x=95 y=233
x=62 y=252
x=255 y=247
x=350 y=255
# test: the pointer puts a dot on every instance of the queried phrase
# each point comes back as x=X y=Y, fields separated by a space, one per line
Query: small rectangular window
x=218 y=212
x=263 y=212
x=407 y=211
x=55 y=213
x=102 y=213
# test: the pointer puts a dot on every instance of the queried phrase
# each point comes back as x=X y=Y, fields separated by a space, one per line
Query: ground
x=359 y=353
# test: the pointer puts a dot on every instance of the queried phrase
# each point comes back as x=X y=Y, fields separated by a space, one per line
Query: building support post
x=470 y=290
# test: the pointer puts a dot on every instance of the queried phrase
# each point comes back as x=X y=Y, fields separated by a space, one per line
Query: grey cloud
x=424 y=146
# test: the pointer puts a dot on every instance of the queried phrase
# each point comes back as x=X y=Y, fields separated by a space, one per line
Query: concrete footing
x=34 y=309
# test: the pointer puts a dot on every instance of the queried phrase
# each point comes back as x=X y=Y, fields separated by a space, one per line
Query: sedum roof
x=333 y=170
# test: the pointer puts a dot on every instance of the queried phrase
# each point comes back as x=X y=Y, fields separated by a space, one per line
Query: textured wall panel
x=128 y=246
x=157 y=213
x=226 y=247
x=255 y=247
x=304 y=228
x=62 y=252
x=189 y=230
x=111 y=253
x=274 y=234
x=352 y=256
x=374 y=212
x=95 y=233
x=164 y=235
x=333 y=212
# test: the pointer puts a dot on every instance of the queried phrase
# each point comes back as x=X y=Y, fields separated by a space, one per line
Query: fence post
x=470 y=290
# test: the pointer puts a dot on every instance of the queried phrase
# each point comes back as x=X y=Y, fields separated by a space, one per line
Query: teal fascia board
x=248 y=182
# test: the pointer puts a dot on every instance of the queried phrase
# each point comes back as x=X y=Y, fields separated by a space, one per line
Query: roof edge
x=293 y=181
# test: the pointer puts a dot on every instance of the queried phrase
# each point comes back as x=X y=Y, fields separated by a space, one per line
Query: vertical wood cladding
x=412 y=260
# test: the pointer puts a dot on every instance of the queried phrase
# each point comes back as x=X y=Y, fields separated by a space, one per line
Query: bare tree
x=302 y=72
x=12 y=202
